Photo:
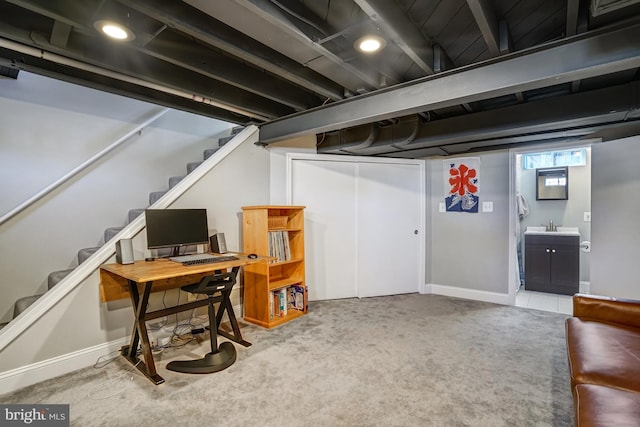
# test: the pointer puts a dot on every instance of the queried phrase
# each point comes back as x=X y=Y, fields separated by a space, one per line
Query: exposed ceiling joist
x=573 y=8
x=488 y=24
x=291 y=66
x=402 y=31
x=180 y=15
x=60 y=34
x=265 y=9
x=582 y=57
x=213 y=64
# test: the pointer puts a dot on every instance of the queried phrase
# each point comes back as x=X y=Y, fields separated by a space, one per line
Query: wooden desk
x=138 y=280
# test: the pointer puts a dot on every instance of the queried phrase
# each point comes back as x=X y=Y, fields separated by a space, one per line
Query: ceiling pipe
x=61 y=60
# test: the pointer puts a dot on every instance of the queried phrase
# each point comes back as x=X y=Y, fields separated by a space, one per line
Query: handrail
x=93 y=263
x=15 y=211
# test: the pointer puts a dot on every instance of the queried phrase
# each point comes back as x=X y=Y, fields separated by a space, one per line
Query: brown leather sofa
x=603 y=346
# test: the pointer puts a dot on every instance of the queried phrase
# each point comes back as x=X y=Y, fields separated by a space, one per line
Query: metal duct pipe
x=373 y=134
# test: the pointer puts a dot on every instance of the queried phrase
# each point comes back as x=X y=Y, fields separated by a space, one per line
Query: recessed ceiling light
x=370 y=44
x=114 y=30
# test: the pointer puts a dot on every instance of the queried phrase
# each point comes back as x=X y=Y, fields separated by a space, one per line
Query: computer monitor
x=176 y=228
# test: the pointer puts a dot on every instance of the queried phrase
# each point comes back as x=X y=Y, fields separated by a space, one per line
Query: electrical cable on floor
x=179 y=338
x=91 y=395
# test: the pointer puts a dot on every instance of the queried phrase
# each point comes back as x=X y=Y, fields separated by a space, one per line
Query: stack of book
x=279 y=245
x=284 y=299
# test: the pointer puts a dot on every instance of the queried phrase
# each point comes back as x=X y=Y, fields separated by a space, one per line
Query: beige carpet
x=407 y=360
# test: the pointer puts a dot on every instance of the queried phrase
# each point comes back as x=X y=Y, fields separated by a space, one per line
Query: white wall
x=80 y=322
x=615 y=228
x=48 y=128
x=468 y=254
x=278 y=174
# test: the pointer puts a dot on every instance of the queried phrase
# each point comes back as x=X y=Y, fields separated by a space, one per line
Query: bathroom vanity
x=552 y=260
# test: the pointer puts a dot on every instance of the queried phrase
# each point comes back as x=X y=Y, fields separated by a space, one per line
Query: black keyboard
x=210 y=260
x=202 y=259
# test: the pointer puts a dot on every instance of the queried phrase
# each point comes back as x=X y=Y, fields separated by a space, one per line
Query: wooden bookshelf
x=276 y=231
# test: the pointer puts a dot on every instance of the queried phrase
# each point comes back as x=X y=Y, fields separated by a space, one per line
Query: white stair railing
x=93 y=263
x=57 y=183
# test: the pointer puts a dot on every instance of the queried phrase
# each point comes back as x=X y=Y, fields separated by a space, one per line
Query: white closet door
x=389 y=229
x=328 y=190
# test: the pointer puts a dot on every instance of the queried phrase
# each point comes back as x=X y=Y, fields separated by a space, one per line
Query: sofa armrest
x=607 y=309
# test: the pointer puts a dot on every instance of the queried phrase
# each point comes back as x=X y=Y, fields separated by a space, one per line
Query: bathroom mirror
x=552 y=183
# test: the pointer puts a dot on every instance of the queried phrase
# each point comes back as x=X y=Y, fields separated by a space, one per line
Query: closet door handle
x=547 y=250
x=553 y=250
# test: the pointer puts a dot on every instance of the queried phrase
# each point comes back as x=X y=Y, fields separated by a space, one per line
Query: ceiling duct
x=366 y=143
x=10 y=73
x=575 y=115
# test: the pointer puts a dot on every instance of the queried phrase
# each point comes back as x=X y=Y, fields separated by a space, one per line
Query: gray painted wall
x=569 y=213
x=470 y=251
x=81 y=321
x=615 y=226
x=48 y=128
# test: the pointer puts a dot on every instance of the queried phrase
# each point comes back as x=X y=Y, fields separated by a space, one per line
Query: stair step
x=85 y=253
x=22 y=304
x=155 y=196
x=3 y=324
x=236 y=130
x=110 y=232
x=56 y=276
x=191 y=166
x=174 y=180
x=224 y=140
x=134 y=213
x=209 y=152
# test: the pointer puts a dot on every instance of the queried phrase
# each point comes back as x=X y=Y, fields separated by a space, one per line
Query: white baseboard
x=36 y=372
x=40 y=371
x=473 y=294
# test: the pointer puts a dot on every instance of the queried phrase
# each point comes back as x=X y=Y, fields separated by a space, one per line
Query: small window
x=551 y=159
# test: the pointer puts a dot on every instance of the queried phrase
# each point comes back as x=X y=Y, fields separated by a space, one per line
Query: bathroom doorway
x=531 y=212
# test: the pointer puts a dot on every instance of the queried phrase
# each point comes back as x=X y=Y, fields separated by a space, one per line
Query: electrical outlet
x=587 y=217
x=153 y=339
x=442 y=208
x=487 y=206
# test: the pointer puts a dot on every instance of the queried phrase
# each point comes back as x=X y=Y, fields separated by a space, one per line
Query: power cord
x=93 y=394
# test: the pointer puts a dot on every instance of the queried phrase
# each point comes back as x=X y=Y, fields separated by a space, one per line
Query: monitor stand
x=176 y=251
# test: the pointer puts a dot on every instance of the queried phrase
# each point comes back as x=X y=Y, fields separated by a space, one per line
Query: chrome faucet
x=551 y=227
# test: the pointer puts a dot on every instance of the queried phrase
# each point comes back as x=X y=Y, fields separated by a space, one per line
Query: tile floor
x=545 y=301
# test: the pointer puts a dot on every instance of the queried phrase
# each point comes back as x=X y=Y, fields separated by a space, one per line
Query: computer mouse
x=252 y=256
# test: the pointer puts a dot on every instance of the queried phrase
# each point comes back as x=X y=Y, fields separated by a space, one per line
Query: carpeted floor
x=406 y=360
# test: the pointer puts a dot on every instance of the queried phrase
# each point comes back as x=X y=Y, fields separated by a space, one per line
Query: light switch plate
x=487 y=206
x=587 y=217
x=442 y=207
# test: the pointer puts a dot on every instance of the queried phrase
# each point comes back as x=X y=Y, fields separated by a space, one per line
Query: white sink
x=560 y=231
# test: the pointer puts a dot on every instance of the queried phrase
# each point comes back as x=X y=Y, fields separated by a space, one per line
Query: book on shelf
x=279 y=247
x=283 y=301
x=295 y=297
x=278 y=303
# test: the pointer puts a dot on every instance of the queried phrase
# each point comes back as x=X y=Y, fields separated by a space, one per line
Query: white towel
x=523 y=206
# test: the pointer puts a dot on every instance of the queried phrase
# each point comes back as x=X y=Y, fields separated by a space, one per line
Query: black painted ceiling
x=455 y=75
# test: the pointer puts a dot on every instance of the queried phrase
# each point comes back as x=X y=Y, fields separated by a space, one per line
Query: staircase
x=83 y=254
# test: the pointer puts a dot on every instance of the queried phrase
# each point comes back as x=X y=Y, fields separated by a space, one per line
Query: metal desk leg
x=225 y=304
